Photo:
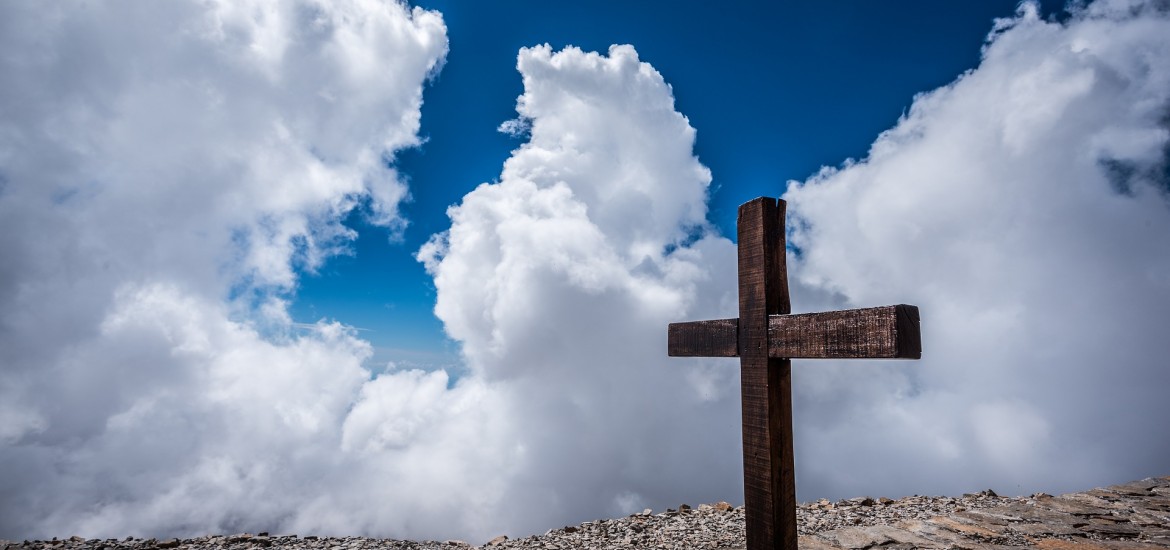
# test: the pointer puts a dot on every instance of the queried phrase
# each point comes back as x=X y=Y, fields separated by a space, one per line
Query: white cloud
x=1024 y=209
x=165 y=172
x=559 y=279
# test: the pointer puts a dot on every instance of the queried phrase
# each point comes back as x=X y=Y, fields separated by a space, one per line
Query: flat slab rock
x=1134 y=515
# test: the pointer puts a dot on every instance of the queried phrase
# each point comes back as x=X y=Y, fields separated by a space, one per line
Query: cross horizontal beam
x=887 y=332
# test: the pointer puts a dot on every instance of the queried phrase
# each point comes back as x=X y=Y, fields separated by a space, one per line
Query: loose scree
x=765 y=337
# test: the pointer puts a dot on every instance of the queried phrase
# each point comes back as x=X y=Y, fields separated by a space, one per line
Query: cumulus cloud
x=559 y=279
x=165 y=173
x=1024 y=207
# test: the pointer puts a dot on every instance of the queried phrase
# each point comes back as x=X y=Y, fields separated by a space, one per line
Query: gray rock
x=1135 y=515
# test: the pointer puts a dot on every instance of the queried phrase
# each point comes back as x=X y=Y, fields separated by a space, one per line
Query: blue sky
x=775 y=90
x=207 y=327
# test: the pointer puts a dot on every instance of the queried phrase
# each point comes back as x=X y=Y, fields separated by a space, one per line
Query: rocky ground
x=1131 y=516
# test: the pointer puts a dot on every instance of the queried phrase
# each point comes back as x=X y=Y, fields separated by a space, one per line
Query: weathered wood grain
x=886 y=332
x=715 y=338
x=765 y=383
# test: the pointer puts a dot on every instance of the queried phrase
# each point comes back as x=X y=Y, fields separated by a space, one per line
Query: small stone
x=570 y=529
x=497 y=541
x=169 y=543
x=684 y=507
x=722 y=506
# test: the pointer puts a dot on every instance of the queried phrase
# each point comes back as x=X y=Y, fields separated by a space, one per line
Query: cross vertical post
x=765 y=382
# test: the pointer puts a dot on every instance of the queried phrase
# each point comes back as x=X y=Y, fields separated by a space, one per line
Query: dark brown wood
x=874 y=332
x=765 y=337
x=909 y=329
x=765 y=383
x=717 y=338
x=886 y=332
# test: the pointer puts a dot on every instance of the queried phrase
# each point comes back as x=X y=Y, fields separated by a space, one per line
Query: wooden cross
x=765 y=337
